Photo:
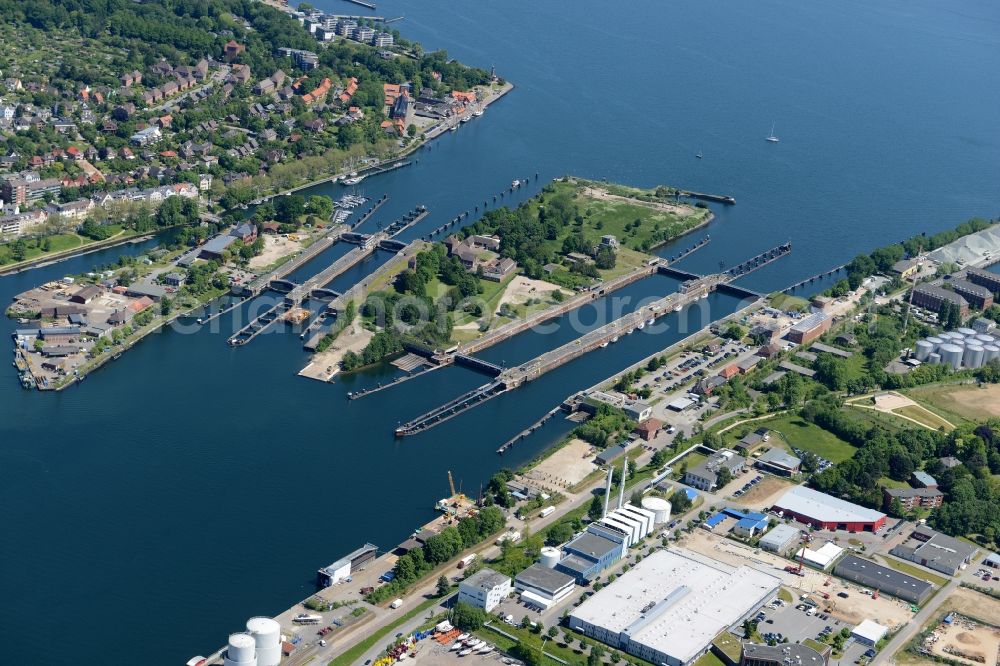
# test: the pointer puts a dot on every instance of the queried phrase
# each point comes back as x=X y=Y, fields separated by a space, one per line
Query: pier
x=363 y=3
x=371 y=211
x=376 y=170
x=610 y=333
x=714 y=198
x=818 y=276
x=262 y=322
x=528 y=431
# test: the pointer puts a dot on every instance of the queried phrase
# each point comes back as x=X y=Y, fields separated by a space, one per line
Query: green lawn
x=809 y=437
x=886 y=482
x=917 y=572
x=729 y=644
x=709 y=659
x=783 y=301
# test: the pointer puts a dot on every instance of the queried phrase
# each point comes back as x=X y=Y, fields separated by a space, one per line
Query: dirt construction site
x=852 y=610
x=972 y=637
x=564 y=468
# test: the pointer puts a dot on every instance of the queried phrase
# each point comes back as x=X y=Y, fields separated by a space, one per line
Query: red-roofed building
x=140 y=304
x=468 y=97
x=647 y=429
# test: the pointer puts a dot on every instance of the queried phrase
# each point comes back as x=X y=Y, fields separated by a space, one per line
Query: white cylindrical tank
x=990 y=352
x=973 y=357
x=550 y=557
x=936 y=342
x=967 y=332
x=986 y=339
x=922 y=350
x=934 y=358
x=660 y=508
x=951 y=355
x=267 y=635
x=242 y=651
x=950 y=335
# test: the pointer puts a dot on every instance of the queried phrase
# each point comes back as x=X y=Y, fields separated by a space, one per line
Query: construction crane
x=451 y=483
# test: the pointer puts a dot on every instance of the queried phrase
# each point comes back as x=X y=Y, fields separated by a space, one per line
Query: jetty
x=818 y=276
x=363 y=3
x=510 y=379
x=714 y=198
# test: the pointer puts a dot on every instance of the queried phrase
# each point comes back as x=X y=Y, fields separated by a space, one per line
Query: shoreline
x=58 y=257
x=405 y=152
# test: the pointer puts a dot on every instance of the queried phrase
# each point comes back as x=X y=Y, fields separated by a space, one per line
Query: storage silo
x=934 y=358
x=923 y=350
x=267 y=635
x=951 y=355
x=936 y=342
x=986 y=339
x=948 y=336
x=242 y=651
x=967 y=332
x=549 y=557
x=990 y=352
x=973 y=357
x=660 y=508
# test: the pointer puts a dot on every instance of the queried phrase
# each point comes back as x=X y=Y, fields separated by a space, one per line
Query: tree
x=467 y=617
x=596 y=509
x=443 y=586
x=411 y=130
x=723 y=477
x=529 y=650
x=679 y=502
x=596 y=656
x=559 y=533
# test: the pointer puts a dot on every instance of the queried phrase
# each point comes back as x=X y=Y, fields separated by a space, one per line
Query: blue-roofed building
x=714 y=521
x=922 y=479
x=750 y=526
x=691 y=493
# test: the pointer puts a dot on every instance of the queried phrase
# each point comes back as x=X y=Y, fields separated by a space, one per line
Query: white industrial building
x=543 y=586
x=780 y=539
x=869 y=632
x=484 y=589
x=821 y=558
x=669 y=607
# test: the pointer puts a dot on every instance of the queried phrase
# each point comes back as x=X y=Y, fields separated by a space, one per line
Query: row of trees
x=438 y=549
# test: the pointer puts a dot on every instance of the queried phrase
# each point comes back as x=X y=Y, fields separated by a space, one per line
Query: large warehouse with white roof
x=826 y=512
x=669 y=607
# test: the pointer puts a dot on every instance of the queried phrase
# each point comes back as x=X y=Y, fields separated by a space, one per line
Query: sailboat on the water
x=771 y=137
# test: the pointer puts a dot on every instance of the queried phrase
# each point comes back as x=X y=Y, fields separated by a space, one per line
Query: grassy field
x=709 y=659
x=957 y=403
x=916 y=572
x=787 y=303
x=809 y=437
x=886 y=482
x=924 y=417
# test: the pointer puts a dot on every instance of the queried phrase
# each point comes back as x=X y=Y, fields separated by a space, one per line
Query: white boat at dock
x=649 y=322
x=456 y=646
x=464 y=653
x=478 y=113
x=677 y=308
x=614 y=339
x=641 y=325
x=604 y=344
x=486 y=649
x=353 y=181
x=462 y=637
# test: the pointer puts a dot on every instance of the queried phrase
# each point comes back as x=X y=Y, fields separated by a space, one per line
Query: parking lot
x=791 y=621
